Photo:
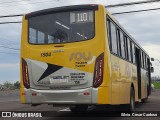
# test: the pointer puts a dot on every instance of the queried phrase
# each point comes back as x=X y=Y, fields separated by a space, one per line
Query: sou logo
x=78 y=56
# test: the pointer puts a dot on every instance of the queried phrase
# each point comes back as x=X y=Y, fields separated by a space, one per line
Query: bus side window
x=126 y=47
x=32 y=35
x=122 y=44
x=118 y=43
x=133 y=52
x=109 y=34
x=144 y=59
x=146 y=63
x=41 y=37
x=114 y=38
x=142 y=65
x=129 y=49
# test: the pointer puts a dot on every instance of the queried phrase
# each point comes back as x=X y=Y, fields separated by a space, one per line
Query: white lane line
x=66 y=109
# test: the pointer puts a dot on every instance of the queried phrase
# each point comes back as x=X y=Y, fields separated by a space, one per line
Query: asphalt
x=9 y=101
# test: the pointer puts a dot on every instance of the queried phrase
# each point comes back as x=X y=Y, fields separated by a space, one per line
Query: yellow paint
x=22 y=96
x=104 y=96
x=118 y=74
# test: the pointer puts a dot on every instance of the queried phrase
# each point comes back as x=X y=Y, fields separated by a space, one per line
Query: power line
x=131 y=3
x=8 y=53
x=11 y=15
x=29 y=3
x=116 y=5
x=6 y=40
x=109 y=6
x=10 y=22
x=13 y=1
x=9 y=48
x=118 y=13
x=10 y=19
x=127 y=12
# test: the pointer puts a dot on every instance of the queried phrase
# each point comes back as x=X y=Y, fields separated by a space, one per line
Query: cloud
x=9 y=66
x=9 y=72
x=153 y=51
x=144 y=27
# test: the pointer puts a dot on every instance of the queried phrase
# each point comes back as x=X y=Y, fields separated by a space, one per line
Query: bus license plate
x=58 y=79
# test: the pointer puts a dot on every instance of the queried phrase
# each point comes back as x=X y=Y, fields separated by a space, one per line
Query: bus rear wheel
x=131 y=105
x=79 y=108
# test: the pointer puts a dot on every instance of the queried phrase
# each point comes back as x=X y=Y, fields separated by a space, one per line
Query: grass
x=156 y=85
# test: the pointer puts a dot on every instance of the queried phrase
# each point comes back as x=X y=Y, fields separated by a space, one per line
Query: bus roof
x=62 y=9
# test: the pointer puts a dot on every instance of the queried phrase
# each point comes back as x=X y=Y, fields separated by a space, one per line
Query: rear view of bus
x=62 y=56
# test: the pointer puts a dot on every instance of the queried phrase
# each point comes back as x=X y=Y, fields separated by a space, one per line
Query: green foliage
x=7 y=84
x=156 y=85
x=17 y=84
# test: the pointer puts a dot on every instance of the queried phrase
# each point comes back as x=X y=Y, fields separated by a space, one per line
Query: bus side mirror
x=152 y=59
x=152 y=69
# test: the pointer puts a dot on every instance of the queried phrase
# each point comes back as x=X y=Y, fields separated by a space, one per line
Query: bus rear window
x=61 y=27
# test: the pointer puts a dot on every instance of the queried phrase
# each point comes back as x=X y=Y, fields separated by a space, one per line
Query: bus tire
x=79 y=108
x=131 y=106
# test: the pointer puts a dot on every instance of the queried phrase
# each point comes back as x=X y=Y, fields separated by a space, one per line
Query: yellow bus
x=81 y=56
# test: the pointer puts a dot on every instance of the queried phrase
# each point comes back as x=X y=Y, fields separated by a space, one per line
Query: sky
x=144 y=27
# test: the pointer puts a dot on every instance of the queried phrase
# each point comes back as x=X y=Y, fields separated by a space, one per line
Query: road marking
x=66 y=109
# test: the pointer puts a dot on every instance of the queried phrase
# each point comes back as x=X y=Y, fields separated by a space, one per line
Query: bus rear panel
x=62 y=56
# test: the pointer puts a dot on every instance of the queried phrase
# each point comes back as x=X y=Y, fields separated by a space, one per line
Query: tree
x=17 y=84
x=7 y=84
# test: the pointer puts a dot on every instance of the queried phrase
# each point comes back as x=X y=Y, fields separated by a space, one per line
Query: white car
x=152 y=87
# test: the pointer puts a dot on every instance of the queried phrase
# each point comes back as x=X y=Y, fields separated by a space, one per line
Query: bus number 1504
x=47 y=54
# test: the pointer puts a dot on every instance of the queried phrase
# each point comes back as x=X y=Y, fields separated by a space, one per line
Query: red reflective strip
x=98 y=71
x=25 y=74
x=34 y=94
x=86 y=93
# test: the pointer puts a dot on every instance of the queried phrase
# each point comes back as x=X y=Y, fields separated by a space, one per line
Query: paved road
x=12 y=104
x=9 y=95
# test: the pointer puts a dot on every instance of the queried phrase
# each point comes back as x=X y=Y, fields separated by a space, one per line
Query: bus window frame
x=133 y=53
x=125 y=37
x=109 y=34
x=118 y=42
x=111 y=22
x=131 y=50
x=123 y=43
x=94 y=22
x=142 y=65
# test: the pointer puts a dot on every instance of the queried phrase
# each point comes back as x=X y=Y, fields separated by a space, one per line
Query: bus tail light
x=25 y=74
x=98 y=71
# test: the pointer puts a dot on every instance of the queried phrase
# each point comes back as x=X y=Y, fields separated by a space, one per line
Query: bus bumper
x=80 y=96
